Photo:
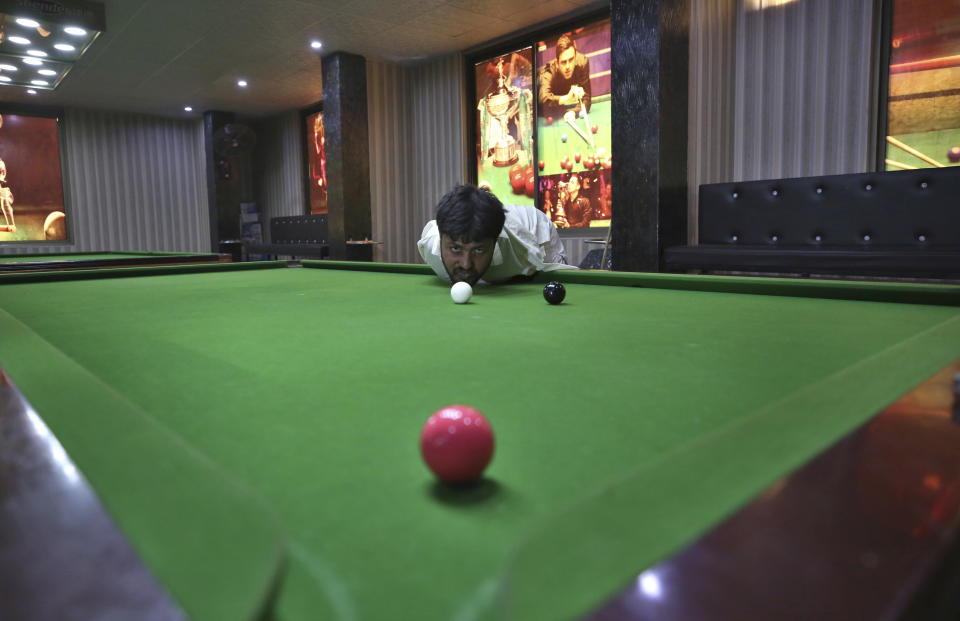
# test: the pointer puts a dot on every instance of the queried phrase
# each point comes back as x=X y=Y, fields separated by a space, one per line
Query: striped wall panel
x=132 y=182
x=416 y=149
x=710 y=108
x=437 y=131
x=278 y=166
x=391 y=163
x=803 y=85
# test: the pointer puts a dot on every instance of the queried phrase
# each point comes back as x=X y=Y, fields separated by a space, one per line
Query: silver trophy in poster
x=503 y=105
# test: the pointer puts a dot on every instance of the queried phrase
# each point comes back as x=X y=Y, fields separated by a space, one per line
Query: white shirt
x=528 y=243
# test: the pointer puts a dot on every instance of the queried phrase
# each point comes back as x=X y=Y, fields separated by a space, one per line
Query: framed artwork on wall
x=316 y=159
x=31 y=183
x=920 y=98
x=541 y=133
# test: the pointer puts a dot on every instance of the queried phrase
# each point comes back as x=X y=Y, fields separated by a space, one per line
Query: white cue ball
x=461 y=292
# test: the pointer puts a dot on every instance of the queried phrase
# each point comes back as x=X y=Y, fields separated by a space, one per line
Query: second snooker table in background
x=95 y=260
x=253 y=428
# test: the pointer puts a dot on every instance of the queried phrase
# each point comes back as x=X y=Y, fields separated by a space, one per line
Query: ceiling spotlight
x=39 y=83
x=188 y=109
x=8 y=67
x=64 y=47
x=73 y=30
x=30 y=91
x=29 y=23
x=242 y=83
x=20 y=40
x=5 y=78
x=47 y=72
x=33 y=61
x=39 y=53
x=316 y=44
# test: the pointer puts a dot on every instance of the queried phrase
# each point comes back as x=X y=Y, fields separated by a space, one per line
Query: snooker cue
x=573 y=124
x=586 y=119
x=914 y=152
x=900 y=165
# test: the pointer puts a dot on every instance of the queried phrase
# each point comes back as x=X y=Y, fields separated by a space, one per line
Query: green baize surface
x=256 y=429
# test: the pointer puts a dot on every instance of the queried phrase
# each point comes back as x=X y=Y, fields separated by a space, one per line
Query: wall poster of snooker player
x=31 y=189
x=573 y=127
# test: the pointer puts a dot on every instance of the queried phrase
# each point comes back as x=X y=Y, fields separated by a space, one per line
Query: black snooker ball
x=554 y=292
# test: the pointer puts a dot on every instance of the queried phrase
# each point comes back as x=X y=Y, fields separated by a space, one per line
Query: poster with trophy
x=504 y=117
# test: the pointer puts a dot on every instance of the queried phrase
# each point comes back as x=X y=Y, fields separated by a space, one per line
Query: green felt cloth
x=628 y=419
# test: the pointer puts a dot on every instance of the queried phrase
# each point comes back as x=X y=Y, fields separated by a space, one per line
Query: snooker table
x=94 y=260
x=251 y=430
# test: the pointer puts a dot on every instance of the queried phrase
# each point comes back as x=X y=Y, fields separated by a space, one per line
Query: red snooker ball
x=457 y=443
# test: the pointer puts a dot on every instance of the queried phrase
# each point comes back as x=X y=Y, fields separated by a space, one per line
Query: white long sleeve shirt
x=528 y=243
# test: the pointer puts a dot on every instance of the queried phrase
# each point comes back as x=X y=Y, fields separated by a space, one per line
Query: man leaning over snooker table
x=475 y=236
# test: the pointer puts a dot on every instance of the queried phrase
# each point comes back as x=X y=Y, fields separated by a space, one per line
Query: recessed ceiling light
x=39 y=53
x=20 y=40
x=316 y=44
x=5 y=78
x=73 y=30
x=39 y=82
x=188 y=109
x=64 y=47
x=29 y=23
x=8 y=67
x=47 y=72
x=33 y=61
x=30 y=91
x=242 y=83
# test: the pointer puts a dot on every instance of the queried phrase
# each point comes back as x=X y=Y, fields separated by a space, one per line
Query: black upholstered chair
x=296 y=236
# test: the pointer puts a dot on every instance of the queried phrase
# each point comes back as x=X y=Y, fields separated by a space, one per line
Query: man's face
x=573 y=186
x=466 y=261
x=565 y=60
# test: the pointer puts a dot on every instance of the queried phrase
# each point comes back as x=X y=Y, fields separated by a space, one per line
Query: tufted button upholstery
x=900 y=223
x=887 y=208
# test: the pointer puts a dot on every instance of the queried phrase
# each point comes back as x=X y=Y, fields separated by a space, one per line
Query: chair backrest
x=299 y=229
x=910 y=208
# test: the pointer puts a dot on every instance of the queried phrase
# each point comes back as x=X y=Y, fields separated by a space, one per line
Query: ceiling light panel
x=23 y=70
x=47 y=37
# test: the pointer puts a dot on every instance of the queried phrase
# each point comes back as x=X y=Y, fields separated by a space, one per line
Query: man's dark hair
x=563 y=43
x=470 y=214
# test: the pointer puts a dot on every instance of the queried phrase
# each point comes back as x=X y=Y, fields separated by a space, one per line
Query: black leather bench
x=894 y=224
x=296 y=236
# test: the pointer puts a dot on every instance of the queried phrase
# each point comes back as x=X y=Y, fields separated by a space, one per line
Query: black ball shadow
x=467 y=494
